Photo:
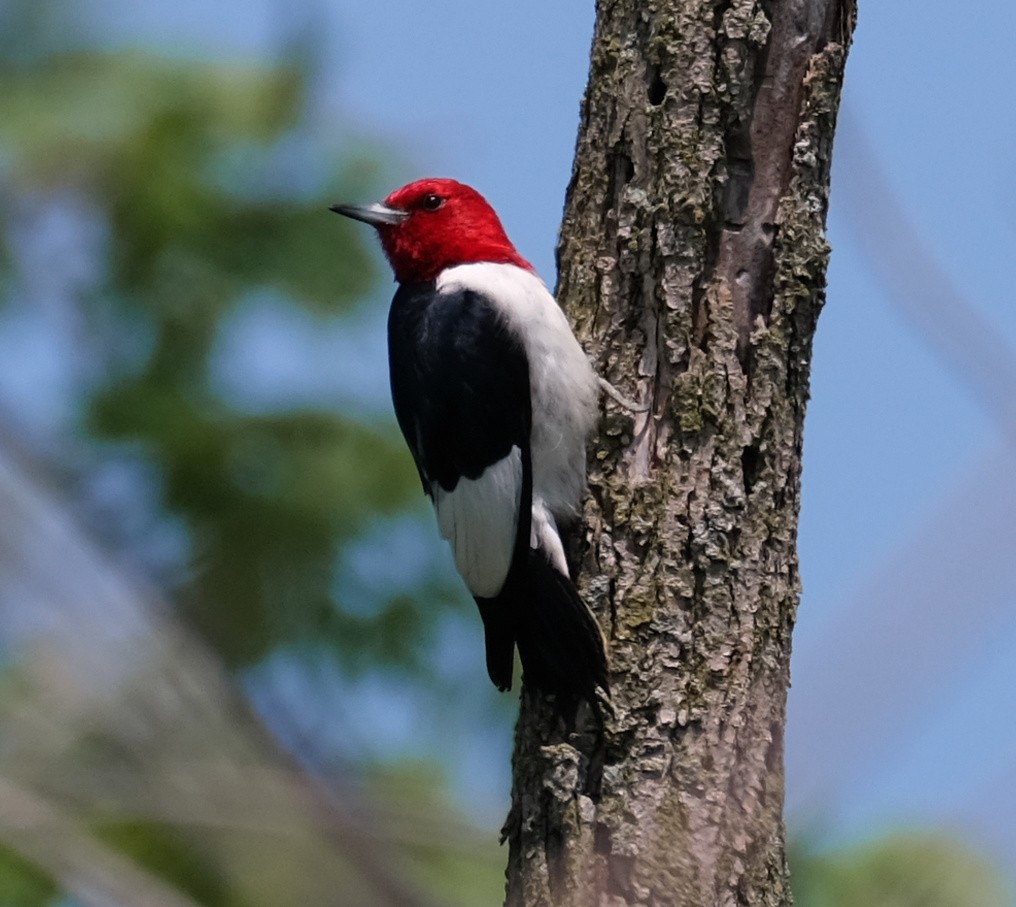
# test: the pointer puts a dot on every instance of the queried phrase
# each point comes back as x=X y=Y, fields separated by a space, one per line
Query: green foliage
x=182 y=162
x=200 y=202
x=901 y=870
x=21 y=884
x=172 y=855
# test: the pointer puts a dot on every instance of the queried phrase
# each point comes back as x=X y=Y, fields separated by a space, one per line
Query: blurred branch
x=908 y=634
x=939 y=595
x=919 y=286
x=113 y=710
x=96 y=875
x=213 y=794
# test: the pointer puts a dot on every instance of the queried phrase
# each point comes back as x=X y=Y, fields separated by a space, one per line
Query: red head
x=433 y=224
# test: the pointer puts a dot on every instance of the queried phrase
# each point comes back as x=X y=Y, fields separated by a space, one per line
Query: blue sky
x=905 y=654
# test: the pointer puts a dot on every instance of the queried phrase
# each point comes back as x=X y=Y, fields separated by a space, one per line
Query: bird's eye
x=431 y=202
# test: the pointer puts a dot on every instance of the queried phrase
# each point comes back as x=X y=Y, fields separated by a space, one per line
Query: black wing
x=460 y=384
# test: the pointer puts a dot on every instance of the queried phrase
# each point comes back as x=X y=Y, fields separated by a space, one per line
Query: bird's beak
x=377 y=215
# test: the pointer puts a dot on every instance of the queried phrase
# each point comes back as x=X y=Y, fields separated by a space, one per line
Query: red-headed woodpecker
x=495 y=398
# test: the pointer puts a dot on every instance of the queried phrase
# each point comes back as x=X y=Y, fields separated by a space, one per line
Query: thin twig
x=620 y=399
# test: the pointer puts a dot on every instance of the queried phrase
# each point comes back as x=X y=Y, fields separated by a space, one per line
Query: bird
x=495 y=398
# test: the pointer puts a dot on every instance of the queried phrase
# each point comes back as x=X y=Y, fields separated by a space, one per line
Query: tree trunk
x=692 y=262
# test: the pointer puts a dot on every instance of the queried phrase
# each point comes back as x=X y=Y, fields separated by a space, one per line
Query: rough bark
x=692 y=261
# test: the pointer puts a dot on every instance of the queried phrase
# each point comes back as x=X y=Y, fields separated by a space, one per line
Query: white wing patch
x=479 y=519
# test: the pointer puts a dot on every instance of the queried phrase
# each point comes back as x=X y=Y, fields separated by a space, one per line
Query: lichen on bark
x=692 y=262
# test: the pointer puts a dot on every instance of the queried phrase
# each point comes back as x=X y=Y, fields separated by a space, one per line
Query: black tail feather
x=560 y=643
x=499 y=636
